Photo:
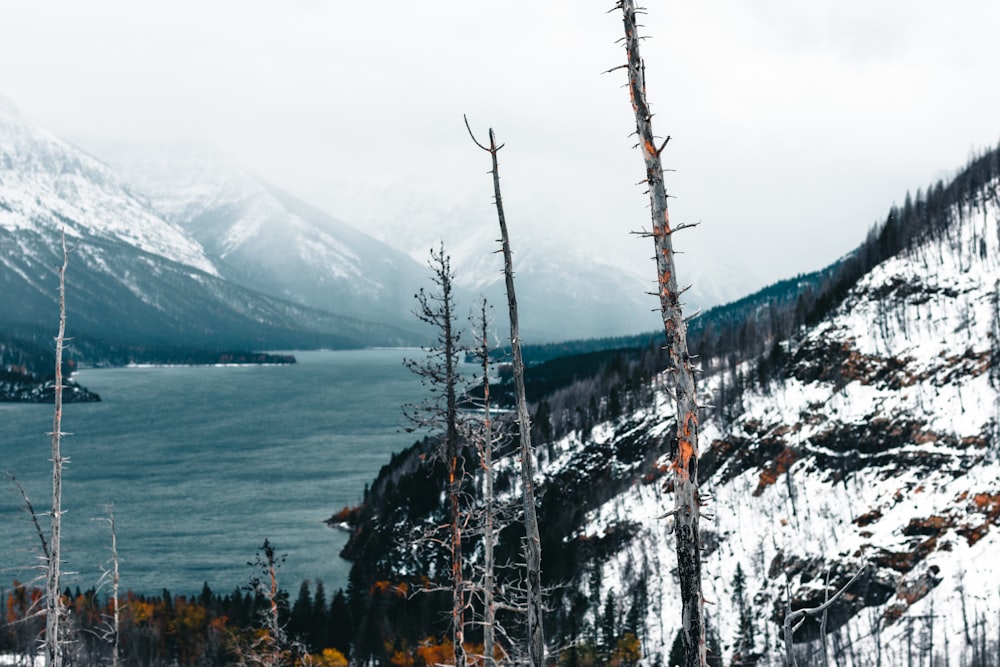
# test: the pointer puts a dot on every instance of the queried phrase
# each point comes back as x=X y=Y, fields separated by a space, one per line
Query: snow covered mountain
x=49 y=186
x=565 y=290
x=267 y=240
x=869 y=437
x=135 y=278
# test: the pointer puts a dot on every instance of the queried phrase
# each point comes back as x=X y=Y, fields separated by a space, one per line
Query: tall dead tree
x=486 y=435
x=111 y=631
x=440 y=373
x=687 y=509
x=533 y=544
x=53 y=597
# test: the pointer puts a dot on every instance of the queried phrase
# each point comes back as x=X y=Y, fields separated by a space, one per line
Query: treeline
x=29 y=358
x=102 y=353
x=537 y=353
x=169 y=629
x=27 y=363
x=27 y=373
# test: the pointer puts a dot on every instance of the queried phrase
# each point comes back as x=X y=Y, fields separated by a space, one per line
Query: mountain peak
x=49 y=184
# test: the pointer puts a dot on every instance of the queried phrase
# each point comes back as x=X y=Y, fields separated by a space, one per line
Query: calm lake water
x=204 y=463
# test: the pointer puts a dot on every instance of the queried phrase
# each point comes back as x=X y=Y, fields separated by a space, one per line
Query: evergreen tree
x=340 y=624
x=300 y=620
x=319 y=619
x=745 y=632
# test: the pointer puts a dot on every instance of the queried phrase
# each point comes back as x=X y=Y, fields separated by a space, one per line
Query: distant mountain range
x=181 y=247
x=135 y=277
x=566 y=289
x=263 y=238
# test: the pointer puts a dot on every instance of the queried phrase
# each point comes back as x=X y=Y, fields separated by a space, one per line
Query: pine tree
x=319 y=618
x=745 y=636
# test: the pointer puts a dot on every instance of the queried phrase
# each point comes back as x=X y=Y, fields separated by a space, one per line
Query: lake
x=204 y=463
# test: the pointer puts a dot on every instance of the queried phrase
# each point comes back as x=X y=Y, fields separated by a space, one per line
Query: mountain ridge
x=266 y=239
x=133 y=278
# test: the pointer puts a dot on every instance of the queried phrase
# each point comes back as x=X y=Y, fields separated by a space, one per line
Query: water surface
x=204 y=463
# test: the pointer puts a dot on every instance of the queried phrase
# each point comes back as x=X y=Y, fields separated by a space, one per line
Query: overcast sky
x=795 y=124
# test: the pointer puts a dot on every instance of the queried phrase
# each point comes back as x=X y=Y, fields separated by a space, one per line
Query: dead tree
x=486 y=443
x=53 y=597
x=111 y=630
x=29 y=615
x=273 y=647
x=500 y=603
x=533 y=545
x=687 y=509
x=794 y=619
x=440 y=373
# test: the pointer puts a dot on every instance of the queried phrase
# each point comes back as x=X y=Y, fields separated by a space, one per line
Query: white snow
x=942 y=329
x=48 y=185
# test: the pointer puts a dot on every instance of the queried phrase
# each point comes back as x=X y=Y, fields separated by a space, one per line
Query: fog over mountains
x=136 y=278
x=164 y=232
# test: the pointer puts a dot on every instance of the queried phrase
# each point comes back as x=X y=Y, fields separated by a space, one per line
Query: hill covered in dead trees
x=853 y=425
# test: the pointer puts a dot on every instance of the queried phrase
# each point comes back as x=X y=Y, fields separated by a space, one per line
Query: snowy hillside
x=878 y=445
x=133 y=277
x=867 y=435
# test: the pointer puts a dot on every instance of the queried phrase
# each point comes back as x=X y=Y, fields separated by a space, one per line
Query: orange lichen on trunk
x=686 y=447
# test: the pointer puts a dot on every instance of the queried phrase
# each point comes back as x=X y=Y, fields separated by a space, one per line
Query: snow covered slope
x=876 y=446
x=47 y=185
x=867 y=438
x=269 y=241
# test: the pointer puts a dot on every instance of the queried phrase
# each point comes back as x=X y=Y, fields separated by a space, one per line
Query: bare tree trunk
x=687 y=510
x=457 y=581
x=489 y=605
x=53 y=600
x=115 y=610
x=533 y=544
x=455 y=469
